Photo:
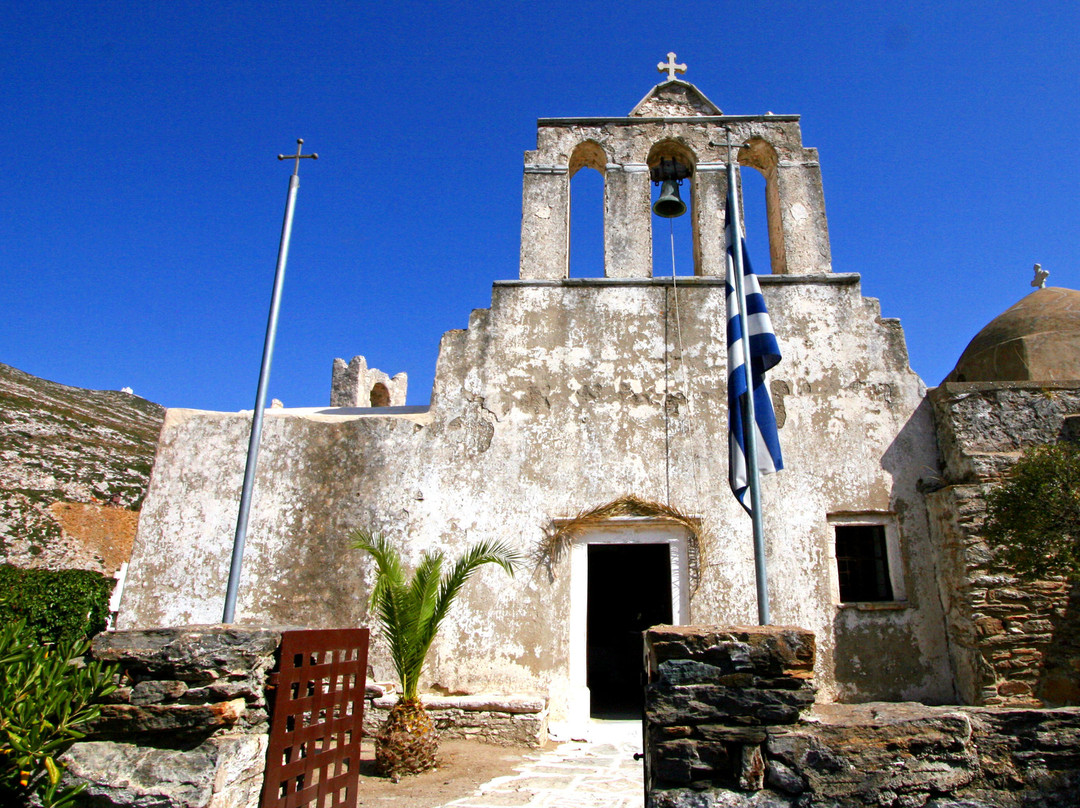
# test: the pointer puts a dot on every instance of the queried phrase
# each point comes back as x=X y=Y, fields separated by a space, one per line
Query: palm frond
x=424 y=585
x=387 y=561
x=476 y=556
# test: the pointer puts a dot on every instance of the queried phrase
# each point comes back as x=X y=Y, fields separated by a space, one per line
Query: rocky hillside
x=74 y=466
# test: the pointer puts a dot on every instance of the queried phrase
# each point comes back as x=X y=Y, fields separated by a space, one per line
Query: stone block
x=714 y=798
x=225 y=771
x=153 y=691
x=746 y=735
x=690 y=672
x=751 y=768
x=130 y=720
x=684 y=761
x=766 y=651
x=192 y=654
x=781 y=778
x=706 y=703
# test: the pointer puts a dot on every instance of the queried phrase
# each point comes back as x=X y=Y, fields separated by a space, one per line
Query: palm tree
x=410 y=613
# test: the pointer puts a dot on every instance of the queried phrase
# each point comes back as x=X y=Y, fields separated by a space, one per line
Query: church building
x=585 y=422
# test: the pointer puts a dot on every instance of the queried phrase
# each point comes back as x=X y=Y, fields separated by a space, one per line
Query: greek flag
x=764 y=354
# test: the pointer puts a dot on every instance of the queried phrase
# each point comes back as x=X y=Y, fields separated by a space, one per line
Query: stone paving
x=598 y=772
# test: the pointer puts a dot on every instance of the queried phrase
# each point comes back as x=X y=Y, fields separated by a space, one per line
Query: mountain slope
x=74 y=466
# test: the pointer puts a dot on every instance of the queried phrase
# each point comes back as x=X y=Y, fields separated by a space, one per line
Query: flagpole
x=240 y=538
x=750 y=419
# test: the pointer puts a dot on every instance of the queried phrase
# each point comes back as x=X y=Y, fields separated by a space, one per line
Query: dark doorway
x=629 y=590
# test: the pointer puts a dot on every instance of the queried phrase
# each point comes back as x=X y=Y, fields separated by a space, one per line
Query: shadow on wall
x=876 y=656
x=1059 y=675
x=895 y=649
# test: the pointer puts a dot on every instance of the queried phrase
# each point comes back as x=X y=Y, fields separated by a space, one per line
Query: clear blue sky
x=141 y=203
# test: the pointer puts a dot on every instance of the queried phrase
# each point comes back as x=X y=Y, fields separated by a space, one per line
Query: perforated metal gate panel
x=317 y=712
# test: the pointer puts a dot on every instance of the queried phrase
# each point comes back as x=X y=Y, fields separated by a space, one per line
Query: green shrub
x=1033 y=517
x=46 y=694
x=57 y=605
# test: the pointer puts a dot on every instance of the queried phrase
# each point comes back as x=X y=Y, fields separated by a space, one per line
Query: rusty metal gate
x=317 y=712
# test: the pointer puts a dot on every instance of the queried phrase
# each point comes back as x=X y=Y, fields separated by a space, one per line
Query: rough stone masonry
x=188 y=728
x=730 y=721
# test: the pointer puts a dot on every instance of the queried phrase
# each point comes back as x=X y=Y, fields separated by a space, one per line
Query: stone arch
x=760 y=154
x=587 y=154
x=380 y=395
x=673 y=148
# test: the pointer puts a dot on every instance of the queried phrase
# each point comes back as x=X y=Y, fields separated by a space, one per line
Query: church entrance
x=629 y=591
x=625 y=576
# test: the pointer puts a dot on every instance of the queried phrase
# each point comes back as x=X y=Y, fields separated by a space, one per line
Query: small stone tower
x=357 y=385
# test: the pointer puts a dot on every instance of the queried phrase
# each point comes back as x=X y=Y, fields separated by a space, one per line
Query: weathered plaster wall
x=1011 y=642
x=561 y=396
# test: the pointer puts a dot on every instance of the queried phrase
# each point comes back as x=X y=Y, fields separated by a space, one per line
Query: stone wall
x=188 y=727
x=1011 y=642
x=497 y=720
x=730 y=722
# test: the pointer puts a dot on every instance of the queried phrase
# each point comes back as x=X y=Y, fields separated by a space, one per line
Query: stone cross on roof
x=1040 y=277
x=671 y=67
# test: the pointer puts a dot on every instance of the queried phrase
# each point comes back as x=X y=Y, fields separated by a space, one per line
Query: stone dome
x=1036 y=339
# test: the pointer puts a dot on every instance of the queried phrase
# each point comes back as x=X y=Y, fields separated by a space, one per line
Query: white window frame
x=893 y=554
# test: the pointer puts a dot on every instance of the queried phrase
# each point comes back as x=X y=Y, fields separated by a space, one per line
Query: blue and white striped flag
x=764 y=354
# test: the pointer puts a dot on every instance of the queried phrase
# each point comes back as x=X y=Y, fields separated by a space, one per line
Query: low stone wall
x=499 y=720
x=730 y=722
x=188 y=727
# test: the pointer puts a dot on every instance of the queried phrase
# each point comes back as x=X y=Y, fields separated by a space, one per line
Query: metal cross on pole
x=260 y=395
x=298 y=156
x=671 y=67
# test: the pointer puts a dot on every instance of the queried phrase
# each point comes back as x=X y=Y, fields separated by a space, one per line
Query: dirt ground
x=463 y=765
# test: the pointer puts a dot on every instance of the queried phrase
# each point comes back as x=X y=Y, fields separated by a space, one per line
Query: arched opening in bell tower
x=675 y=241
x=761 y=207
x=755 y=219
x=586 y=230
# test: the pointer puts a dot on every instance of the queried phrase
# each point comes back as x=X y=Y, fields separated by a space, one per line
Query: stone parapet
x=737 y=752
x=216 y=673
x=712 y=693
x=983 y=427
x=189 y=725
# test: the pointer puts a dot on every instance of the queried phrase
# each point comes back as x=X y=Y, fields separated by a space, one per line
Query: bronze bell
x=669 y=205
x=669 y=174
